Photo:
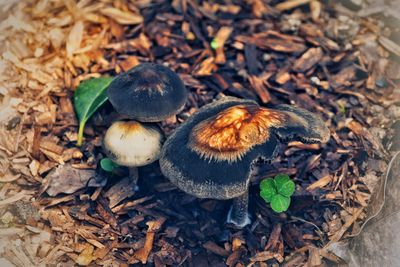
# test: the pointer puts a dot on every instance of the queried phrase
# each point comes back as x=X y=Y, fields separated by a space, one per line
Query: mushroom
x=147 y=93
x=133 y=144
x=211 y=155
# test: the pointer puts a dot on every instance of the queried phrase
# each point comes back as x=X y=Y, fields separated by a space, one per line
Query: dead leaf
x=66 y=179
x=362 y=132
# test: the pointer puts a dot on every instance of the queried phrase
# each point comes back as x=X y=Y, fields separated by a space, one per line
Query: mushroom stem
x=134 y=176
x=238 y=214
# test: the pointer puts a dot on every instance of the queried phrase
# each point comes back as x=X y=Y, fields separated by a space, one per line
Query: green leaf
x=214 y=44
x=267 y=183
x=108 y=165
x=88 y=97
x=268 y=194
x=287 y=189
x=284 y=185
x=280 y=203
x=281 y=179
x=268 y=190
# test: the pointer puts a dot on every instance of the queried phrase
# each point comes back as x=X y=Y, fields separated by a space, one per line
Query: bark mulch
x=335 y=60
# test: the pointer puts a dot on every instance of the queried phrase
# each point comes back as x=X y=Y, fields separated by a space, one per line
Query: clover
x=277 y=192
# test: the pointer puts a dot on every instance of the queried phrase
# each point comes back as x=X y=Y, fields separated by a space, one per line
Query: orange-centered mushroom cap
x=234 y=131
x=211 y=154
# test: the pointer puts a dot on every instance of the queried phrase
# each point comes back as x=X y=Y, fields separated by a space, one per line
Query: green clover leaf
x=284 y=185
x=277 y=192
x=268 y=189
x=280 y=203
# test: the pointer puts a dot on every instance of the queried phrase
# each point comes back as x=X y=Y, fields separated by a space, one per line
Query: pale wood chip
x=53 y=156
x=57 y=37
x=14 y=198
x=51 y=146
x=290 y=4
x=320 y=183
x=122 y=17
x=206 y=67
x=389 y=45
x=75 y=38
x=315 y=7
x=220 y=38
x=34 y=167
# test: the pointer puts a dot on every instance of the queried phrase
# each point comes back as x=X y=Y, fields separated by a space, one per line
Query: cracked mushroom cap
x=148 y=93
x=133 y=144
x=212 y=153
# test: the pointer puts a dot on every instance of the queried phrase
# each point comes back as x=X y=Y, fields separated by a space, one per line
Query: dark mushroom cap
x=212 y=153
x=133 y=144
x=148 y=93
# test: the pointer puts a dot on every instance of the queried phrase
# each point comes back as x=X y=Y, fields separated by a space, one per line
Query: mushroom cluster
x=145 y=94
x=211 y=155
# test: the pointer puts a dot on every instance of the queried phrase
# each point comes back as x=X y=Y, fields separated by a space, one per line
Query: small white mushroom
x=133 y=144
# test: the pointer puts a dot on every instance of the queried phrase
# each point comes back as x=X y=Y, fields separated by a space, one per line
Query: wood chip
x=389 y=45
x=51 y=147
x=260 y=88
x=320 y=183
x=86 y=256
x=214 y=248
x=14 y=198
x=75 y=38
x=274 y=237
x=311 y=57
x=143 y=253
x=263 y=256
x=315 y=7
x=122 y=17
x=290 y=4
x=125 y=188
x=220 y=38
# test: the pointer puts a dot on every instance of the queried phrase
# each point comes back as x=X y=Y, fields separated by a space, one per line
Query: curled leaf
x=108 y=165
